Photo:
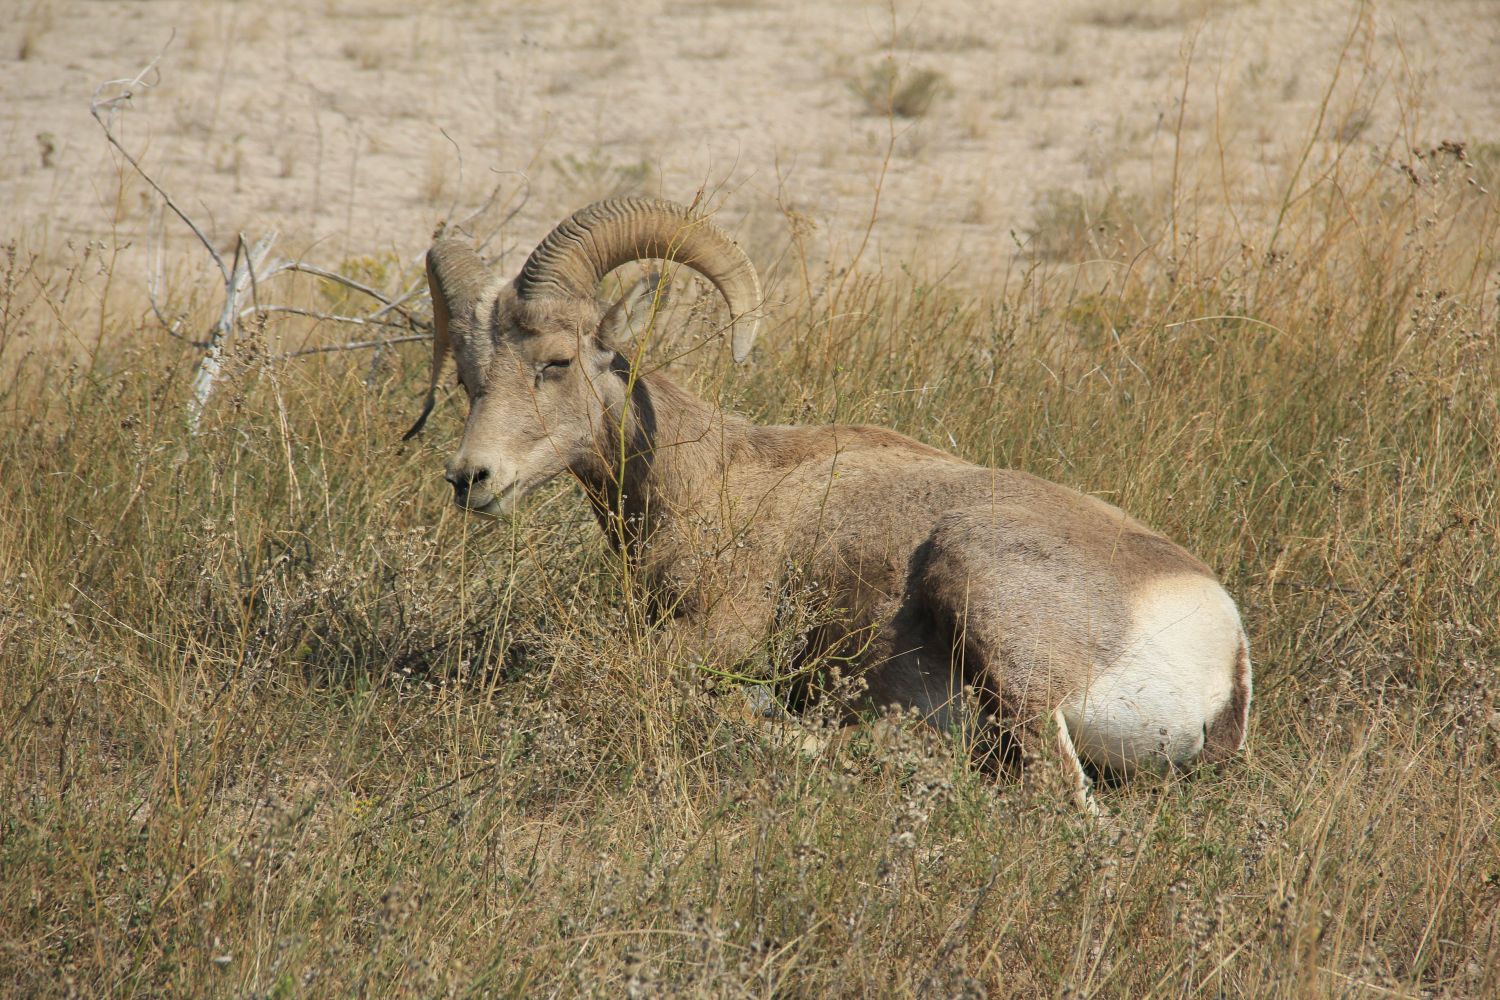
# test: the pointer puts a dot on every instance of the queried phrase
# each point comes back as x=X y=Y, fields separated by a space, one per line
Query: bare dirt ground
x=353 y=127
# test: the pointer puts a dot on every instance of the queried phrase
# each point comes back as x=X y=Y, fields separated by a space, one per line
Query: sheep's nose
x=464 y=480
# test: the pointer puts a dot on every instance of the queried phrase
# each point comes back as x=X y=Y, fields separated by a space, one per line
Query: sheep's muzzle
x=473 y=491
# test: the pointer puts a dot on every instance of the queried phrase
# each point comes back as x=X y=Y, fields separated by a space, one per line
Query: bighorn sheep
x=1062 y=610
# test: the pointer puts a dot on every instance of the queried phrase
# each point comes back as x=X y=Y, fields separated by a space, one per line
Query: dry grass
x=1074 y=226
x=279 y=722
x=596 y=176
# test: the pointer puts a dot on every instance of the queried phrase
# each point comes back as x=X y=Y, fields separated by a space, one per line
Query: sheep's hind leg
x=1050 y=762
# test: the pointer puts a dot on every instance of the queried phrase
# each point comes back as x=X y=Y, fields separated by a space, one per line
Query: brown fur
x=932 y=561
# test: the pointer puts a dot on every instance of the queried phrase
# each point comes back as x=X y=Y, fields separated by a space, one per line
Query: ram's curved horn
x=595 y=240
x=455 y=276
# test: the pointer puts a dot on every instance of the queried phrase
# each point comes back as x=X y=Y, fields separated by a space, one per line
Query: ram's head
x=542 y=358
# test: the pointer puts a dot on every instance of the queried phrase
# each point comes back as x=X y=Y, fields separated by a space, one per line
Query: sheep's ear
x=634 y=311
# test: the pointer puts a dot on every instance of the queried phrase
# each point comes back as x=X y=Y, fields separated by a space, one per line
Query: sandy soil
x=352 y=127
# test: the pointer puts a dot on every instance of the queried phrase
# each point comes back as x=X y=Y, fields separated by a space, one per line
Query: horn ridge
x=598 y=238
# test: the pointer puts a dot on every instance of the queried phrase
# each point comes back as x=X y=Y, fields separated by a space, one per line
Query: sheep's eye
x=553 y=369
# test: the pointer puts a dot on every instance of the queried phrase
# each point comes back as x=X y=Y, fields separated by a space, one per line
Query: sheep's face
x=541 y=389
x=537 y=356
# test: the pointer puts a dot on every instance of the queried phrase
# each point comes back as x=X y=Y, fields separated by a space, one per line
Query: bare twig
x=155 y=240
x=371 y=320
x=358 y=345
x=334 y=276
x=418 y=286
x=525 y=190
x=463 y=224
x=105 y=110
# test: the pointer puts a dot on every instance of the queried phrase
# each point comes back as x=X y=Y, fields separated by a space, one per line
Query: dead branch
x=241 y=279
x=371 y=320
x=106 y=110
x=334 y=276
x=252 y=265
x=358 y=345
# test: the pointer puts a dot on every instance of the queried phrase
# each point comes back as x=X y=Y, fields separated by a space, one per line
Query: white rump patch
x=1150 y=708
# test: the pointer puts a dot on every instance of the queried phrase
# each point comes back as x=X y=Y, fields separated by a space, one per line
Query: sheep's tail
x=1225 y=735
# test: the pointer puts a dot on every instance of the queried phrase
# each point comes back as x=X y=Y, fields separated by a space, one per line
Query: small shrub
x=1073 y=226
x=887 y=90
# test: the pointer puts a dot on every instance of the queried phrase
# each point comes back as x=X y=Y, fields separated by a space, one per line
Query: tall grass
x=279 y=722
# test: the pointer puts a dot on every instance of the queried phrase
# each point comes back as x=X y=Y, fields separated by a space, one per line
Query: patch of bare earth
x=352 y=127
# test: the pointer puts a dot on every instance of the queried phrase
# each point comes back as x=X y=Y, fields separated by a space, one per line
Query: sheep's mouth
x=493 y=504
x=505 y=501
x=499 y=506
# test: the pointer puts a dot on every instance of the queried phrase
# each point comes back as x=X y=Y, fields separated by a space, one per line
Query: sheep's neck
x=670 y=461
